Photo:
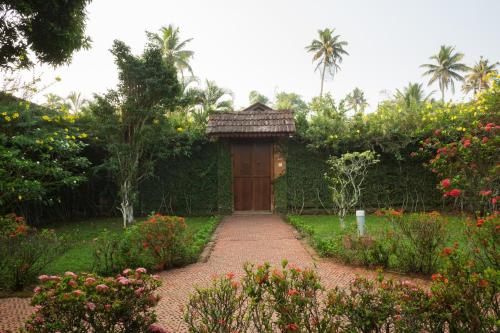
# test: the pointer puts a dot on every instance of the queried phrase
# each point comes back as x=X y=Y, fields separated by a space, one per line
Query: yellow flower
x=39 y=142
x=4 y=113
x=7 y=118
x=180 y=129
x=83 y=135
x=15 y=115
x=156 y=121
x=46 y=118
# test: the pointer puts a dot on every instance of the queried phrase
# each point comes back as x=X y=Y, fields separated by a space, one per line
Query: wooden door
x=252 y=176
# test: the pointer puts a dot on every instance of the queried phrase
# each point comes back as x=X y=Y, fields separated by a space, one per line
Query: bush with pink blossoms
x=89 y=303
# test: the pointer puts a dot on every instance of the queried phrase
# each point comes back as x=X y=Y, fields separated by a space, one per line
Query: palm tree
x=478 y=77
x=75 y=101
x=173 y=48
x=413 y=93
x=356 y=100
x=446 y=69
x=327 y=52
x=211 y=99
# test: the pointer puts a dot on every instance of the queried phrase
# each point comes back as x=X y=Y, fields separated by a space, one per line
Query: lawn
x=82 y=235
x=327 y=226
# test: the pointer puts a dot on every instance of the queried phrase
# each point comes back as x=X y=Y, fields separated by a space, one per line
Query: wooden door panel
x=261 y=194
x=252 y=176
x=243 y=194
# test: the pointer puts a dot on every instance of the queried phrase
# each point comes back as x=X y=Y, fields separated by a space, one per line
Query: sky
x=260 y=45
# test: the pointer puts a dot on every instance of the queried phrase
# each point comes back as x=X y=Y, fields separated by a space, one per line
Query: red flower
x=495 y=199
x=466 y=143
x=483 y=283
x=489 y=126
x=446 y=183
x=230 y=276
x=437 y=132
x=485 y=139
x=292 y=327
x=293 y=292
x=479 y=222
x=436 y=276
x=447 y=251
x=455 y=193
x=485 y=193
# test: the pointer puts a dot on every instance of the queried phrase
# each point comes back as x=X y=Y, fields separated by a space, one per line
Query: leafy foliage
x=52 y=31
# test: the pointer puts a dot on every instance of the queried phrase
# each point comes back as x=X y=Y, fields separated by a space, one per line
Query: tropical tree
x=446 y=69
x=255 y=97
x=75 y=101
x=327 y=51
x=356 y=100
x=172 y=47
x=478 y=77
x=126 y=119
x=412 y=94
x=210 y=99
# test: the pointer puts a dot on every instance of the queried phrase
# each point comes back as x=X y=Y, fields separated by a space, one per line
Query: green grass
x=81 y=235
x=327 y=226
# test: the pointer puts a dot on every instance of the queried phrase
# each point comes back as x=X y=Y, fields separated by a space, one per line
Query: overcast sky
x=259 y=44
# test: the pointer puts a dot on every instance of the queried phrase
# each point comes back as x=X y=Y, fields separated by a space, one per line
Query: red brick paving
x=239 y=239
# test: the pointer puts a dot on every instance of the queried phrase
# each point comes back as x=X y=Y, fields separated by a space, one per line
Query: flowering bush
x=420 y=237
x=484 y=241
x=464 y=149
x=89 y=303
x=24 y=251
x=289 y=299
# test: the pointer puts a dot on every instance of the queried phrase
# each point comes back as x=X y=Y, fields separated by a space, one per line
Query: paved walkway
x=239 y=239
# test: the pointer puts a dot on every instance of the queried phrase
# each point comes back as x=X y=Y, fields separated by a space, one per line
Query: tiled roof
x=256 y=120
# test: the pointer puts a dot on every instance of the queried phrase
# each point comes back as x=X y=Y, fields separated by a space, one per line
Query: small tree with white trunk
x=345 y=178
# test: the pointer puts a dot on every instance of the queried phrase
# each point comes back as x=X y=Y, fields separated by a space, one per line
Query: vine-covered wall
x=202 y=183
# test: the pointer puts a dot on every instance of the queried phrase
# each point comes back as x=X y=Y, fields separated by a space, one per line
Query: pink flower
x=494 y=200
x=72 y=283
x=101 y=287
x=156 y=277
x=71 y=274
x=139 y=291
x=156 y=328
x=39 y=319
x=107 y=307
x=466 y=143
x=44 y=278
x=141 y=270
x=89 y=281
x=123 y=281
x=446 y=183
x=78 y=293
x=485 y=139
x=90 y=306
x=293 y=292
x=126 y=271
x=37 y=308
x=230 y=276
x=37 y=290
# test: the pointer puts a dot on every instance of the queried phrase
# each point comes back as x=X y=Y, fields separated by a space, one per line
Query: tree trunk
x=126 y=205
x=342 y=219
x=322 y=81
x=442 y=95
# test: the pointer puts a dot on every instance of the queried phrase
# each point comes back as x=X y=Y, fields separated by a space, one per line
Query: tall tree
x=327 y=51
x=126 y=119
x=210 y=99
x=356 y=100
x=478 y=77
x=48 y=31
x=255 y=97
x=446 y=69
x=75 y=101
x=168 y=39
x=413 y=93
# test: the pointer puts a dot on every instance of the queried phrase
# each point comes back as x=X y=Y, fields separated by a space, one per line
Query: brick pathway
x=239 y=239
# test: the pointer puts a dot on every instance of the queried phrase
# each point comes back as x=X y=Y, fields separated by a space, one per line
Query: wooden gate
x=252 y=176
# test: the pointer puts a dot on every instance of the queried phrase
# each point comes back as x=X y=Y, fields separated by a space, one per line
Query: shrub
x=107 y=258
x=24 y=252
x=289 y=299
x=420 y=236
x=89 y=303
x=484 y=241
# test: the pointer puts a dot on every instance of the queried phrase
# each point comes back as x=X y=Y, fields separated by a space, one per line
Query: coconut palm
x=211 y=99
x=356 y=100
x=75 y=101
x=446 y=68
x=168 y=40
x=478 y=77
x=413 y=93
x=327 y=51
